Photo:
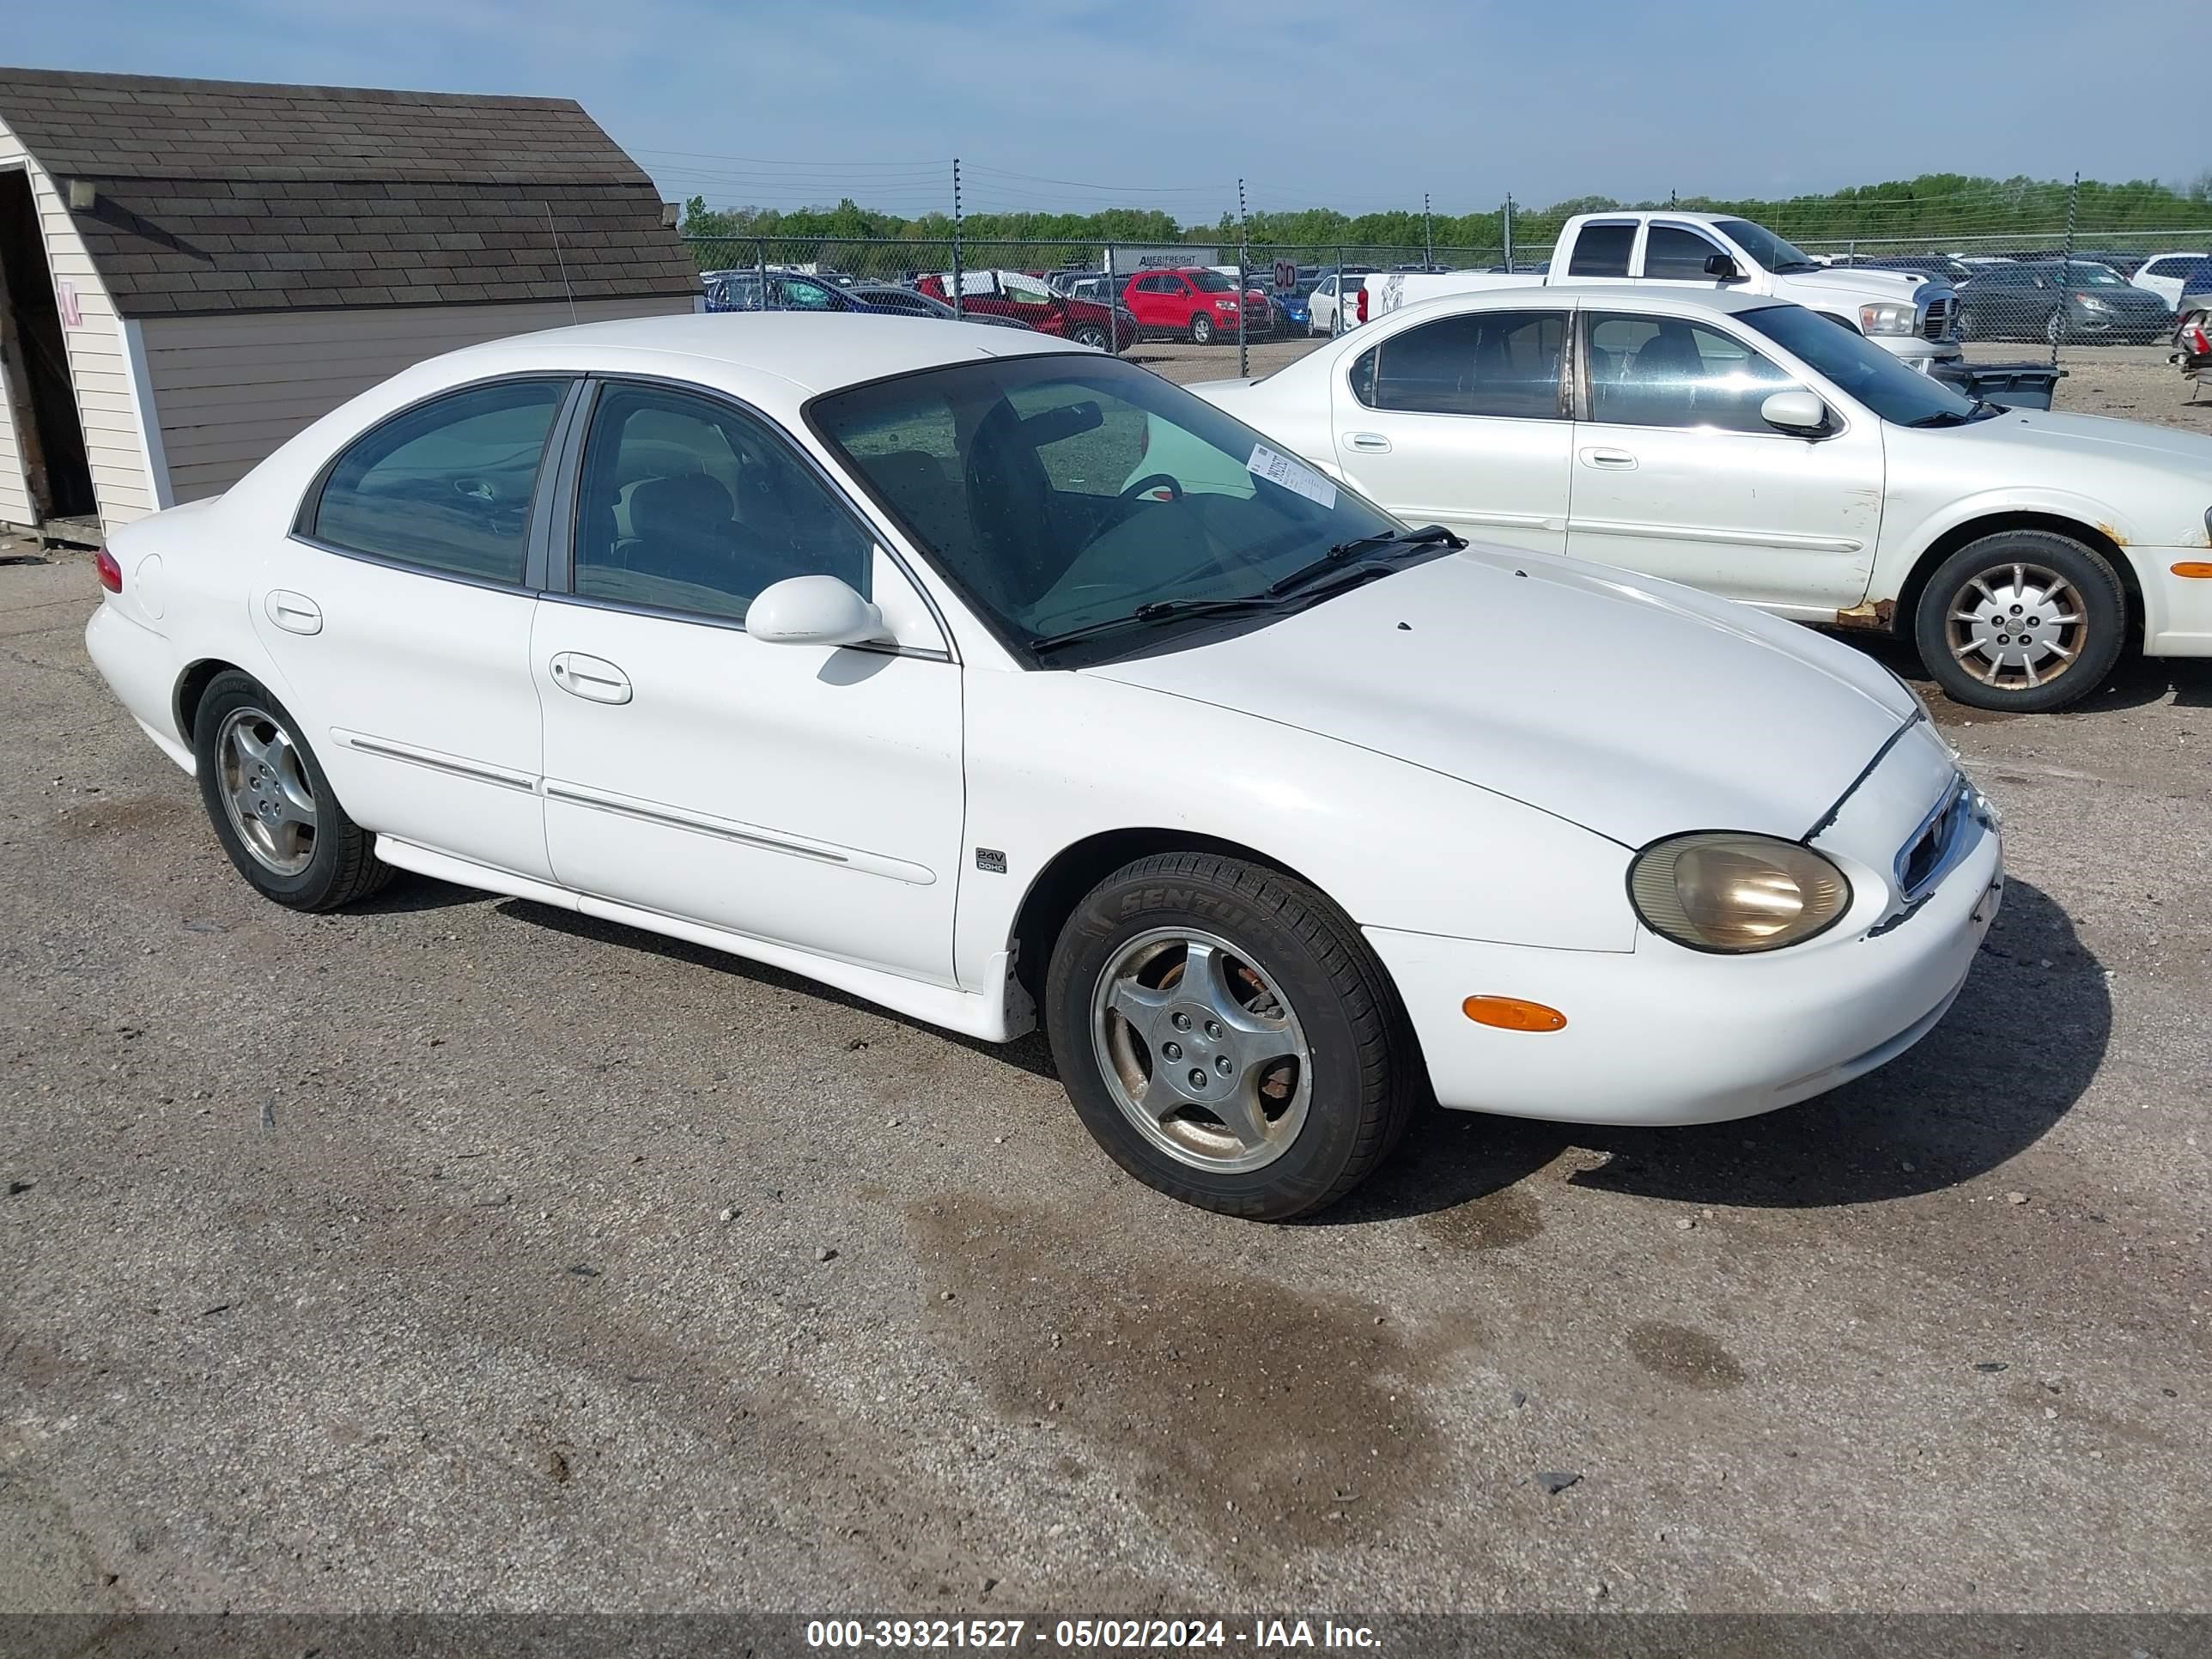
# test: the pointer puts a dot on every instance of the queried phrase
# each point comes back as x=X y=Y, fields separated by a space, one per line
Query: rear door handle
x=1371 y=443
x=593 y=678
x=295 y=613
x=1613 y=460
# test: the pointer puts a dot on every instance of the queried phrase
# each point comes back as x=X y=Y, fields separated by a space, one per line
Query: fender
x=1901 y=552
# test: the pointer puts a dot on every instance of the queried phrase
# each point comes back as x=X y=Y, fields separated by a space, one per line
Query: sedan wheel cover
x=2017 y=627
x=266 y=790
x=1200 y=1051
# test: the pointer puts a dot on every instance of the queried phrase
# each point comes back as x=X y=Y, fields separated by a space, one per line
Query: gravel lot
x=453 y=1252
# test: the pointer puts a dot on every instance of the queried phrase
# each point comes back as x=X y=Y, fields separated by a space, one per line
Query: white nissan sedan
x=839 y=643
x=1760 y=451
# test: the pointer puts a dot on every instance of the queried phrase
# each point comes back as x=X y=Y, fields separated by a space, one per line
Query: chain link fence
x=2071 y=282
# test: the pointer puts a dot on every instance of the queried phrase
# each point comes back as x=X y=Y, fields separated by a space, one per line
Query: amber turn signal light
x=2193 y=568
x=1512 y=1014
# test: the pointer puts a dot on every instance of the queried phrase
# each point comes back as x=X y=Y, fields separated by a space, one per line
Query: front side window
x=1483 y=362
x=1673 y=254
x=1663 y=371
x=446 y=486
x=1602 y=250
x=1764 y=247
x=1064 y=492
x=687 y=504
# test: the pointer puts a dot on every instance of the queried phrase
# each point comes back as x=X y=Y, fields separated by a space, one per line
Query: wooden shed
x=190 y=272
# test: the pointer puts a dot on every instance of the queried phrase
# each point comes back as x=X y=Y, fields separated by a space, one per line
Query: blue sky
x=1354 y=103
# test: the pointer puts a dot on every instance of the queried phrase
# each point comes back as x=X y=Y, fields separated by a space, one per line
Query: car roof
x=809 y=351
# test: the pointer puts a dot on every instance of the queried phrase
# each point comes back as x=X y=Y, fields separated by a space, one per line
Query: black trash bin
x=2014 y=385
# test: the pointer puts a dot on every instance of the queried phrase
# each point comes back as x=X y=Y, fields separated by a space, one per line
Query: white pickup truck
x=1907 y=314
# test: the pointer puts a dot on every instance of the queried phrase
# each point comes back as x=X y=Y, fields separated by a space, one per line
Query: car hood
x=1859 y=283
x=2100 y=438
x=1635 y=710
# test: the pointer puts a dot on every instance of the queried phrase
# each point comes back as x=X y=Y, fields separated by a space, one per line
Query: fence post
x=760 y=273
x=1428 y=232
x=1336 y=317
x=2066 y=276
x=958 y=308
x=1243 y=284
x=1509 y=230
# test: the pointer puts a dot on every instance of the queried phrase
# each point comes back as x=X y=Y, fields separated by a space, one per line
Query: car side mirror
x=1799 y=412
x=814 y=611
x=1723 y=267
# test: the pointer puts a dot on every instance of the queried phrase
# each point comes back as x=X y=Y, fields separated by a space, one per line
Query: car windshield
x=2081 y=274
x=1212 y=282
x=1062 y=493
x=1764 y=245
x=1882 y=382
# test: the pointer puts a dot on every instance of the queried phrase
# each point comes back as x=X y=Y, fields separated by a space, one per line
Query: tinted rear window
x=1602 y=250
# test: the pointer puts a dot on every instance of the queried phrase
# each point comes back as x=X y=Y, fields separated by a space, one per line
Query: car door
x=1152 y=297
x=397 y=619
x=1678 y=475
x=808 y=795
x=1461 y=422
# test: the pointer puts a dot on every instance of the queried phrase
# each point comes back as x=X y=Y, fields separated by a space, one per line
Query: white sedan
x=1763 y=453
x=839 y=644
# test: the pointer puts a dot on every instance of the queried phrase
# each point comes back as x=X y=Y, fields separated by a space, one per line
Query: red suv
x=1197 y=305
x=1027 y=299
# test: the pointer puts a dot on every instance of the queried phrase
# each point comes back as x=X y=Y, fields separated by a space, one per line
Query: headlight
x=2091 y=303
x=1730 y=892
x=1889 y=317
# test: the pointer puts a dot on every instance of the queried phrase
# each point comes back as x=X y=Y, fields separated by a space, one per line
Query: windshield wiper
x=1433 y=535
x=1157 y=611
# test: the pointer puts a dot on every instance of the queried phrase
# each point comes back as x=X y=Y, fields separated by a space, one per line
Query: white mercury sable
x=837 y=642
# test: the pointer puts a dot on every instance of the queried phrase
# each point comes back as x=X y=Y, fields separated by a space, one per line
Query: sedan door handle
x=295 y=613
x=1372 y=443
x=593 y=678
x=1614 y=461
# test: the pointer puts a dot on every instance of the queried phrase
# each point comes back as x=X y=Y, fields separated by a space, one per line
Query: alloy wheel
x=1201 y=1050
x=2017 y=627
x=266 y=792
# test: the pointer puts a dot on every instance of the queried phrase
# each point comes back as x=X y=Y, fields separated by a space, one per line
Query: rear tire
x=1292 y=1100
x=1091 y=335
x=2022 y=622
x=273 y=808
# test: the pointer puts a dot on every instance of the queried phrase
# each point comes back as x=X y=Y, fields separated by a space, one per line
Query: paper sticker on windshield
x=1291 y=474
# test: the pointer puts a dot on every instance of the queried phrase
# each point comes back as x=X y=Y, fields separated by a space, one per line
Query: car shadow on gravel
x=2017 y=1050
x=1030 y=1054
x=2136 y=681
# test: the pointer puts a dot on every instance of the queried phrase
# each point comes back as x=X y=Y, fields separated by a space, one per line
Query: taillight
x=111 y=573
x=1362 y=304
x=2199 y=342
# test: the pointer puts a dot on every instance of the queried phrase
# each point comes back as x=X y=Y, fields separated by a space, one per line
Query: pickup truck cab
x=1909 y=315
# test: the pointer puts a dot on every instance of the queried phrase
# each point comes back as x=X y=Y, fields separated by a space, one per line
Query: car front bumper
x=2177 y=610
x=1660 y=1034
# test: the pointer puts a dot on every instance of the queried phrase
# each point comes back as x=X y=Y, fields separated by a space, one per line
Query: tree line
x=1936 y=205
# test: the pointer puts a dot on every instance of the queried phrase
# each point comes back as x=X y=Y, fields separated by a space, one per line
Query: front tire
x=1201 y=329
x=2022 y=622
x=273 y=808
x=1227 y=1037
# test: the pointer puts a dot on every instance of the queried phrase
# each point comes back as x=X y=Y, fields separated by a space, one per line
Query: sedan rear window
x=446 y=486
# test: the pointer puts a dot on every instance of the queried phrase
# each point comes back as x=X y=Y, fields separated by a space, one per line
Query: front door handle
x=1612 y=461
x=1369 y=443
x=295 y=613
x=593 y=678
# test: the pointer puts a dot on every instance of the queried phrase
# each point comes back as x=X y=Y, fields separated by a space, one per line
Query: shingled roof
x=224 y=196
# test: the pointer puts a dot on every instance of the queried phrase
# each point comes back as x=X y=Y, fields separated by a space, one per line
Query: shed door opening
x=44 y=401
